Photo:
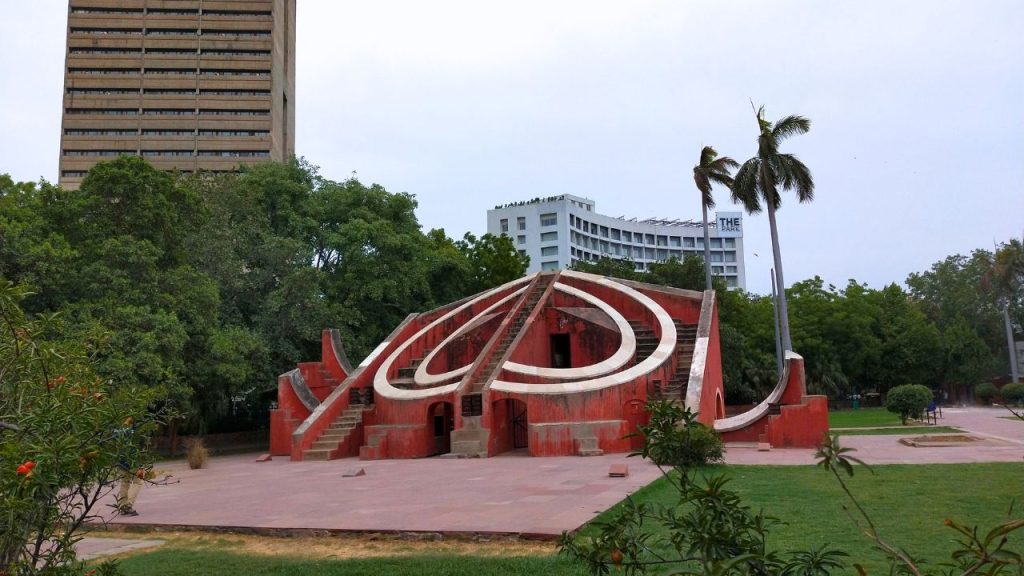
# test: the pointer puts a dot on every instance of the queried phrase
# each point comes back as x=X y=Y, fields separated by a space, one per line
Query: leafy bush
x=908 y=400
x=674 y=437
x=62 y=440
x=985 y=392
x=1013 y=393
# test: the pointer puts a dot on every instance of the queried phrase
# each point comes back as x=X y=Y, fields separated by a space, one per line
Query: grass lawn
x=862 y=418
x=907 y=503
x=901 y=431
x=231 y=555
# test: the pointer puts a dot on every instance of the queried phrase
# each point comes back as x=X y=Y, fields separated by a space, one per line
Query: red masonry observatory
x=558 y=363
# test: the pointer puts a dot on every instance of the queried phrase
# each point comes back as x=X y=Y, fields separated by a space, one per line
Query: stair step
x=594 y=452
x=324 y=445
x=316 y=455
x=466 y=446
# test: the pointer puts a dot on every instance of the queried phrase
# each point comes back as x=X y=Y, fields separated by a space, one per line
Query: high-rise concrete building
x=555 y=232
x=187 y=84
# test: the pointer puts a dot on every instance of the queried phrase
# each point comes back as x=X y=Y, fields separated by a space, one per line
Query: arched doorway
x=440 y=421
x=719 y=406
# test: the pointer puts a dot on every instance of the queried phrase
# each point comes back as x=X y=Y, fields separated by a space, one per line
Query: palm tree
x=760 y=179
x=711 y=169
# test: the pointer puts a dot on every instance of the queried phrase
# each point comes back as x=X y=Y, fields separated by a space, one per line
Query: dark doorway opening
x=441 y=421
x=635 y=416
x=518 y=424
x=561 y=354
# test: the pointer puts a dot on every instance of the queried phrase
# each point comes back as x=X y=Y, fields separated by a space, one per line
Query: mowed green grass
x=862 y=418
x=901 y=431
x=907 y=503
x=172 y=562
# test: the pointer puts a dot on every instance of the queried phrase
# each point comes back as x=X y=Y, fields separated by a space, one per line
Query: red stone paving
x=506 y=494
x=511 y=494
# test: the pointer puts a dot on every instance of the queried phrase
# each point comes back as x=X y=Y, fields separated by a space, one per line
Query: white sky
x=917 y=139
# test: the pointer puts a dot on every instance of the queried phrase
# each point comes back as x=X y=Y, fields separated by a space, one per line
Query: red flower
x=26 y=468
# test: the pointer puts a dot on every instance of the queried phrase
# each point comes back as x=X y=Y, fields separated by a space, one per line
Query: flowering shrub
x=60 y=452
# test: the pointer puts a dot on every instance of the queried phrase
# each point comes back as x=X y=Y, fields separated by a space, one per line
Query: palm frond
x=723 y=165
x=707 y=155
x=798 y=177
x=700 y=178
x=745 y=187
x=712 y=169
x=767 y=181
x=720 y=171
x=790 y=126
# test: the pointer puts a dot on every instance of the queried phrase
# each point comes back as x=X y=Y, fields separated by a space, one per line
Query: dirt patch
x=344 y=546
x=947 y=440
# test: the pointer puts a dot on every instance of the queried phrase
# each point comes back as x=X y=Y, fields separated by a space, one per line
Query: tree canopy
x=211 y=286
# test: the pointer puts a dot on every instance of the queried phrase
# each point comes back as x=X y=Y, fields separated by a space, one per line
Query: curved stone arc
x=380 y=379
x=666 y=347
x=302 y=391
x=340 y=356
x=757 y=412
x=698 y=361
x=627 y=346
x=424 y=378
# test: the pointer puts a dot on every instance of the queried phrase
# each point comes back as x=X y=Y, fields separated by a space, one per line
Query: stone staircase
x=468 y=443
x=532 y=297
x=406 y=375
x=686 y=339
x=340 y=439
x=646 y=341
x=471 y=441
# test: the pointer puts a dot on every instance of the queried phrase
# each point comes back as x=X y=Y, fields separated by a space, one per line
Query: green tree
x=911 y=346
x=611 y=267
x=493 y=261
x=711 y=170
x=759 y=180
x=954 y=294
x=685 y=273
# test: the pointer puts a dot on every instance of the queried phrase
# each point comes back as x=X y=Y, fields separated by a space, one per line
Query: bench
x=932 y=413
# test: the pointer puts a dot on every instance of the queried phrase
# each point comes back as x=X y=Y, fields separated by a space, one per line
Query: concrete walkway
x=1006 y=444
x=508 y=494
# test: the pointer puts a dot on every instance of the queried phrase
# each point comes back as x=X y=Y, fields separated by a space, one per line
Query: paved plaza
x=512 y=494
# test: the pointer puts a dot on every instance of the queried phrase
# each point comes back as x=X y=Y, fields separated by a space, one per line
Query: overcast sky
x=917 y=110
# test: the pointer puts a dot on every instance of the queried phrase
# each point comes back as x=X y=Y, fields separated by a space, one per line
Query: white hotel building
x=557 y=231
